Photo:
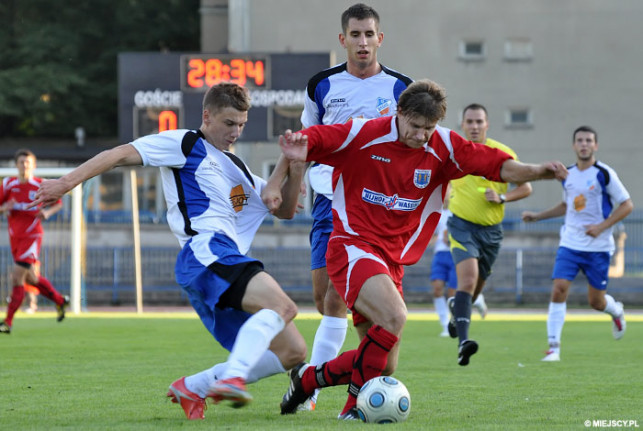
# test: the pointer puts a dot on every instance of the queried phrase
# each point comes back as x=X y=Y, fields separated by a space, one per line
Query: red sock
x=48 y=291
x=370 y=360
x=17 y=296
x=332 y=373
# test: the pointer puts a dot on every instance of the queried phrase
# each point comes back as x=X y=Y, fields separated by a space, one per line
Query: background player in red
x=25 y=236
x=389 y=184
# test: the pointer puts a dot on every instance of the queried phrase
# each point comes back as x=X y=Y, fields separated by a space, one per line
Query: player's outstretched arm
x=517 y=172
x=52 y=190
x=556 y=211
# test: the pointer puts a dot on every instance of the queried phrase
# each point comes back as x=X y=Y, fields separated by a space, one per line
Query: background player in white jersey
x=389 y=183
x=442 y=273
x=214 y=209
x=594 y=200
x=358 y=88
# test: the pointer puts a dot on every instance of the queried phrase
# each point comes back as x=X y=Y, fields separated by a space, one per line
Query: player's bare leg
x=331 y=332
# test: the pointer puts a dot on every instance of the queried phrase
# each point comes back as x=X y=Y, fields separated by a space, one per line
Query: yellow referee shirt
x=467 y=195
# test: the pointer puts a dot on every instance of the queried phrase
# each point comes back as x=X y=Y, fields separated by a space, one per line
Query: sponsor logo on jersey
x=380 y=158
x=337 y=102
x=390 y=202
x=238 y=198
x=384 y=105
x=580 y=202
x=421 y=178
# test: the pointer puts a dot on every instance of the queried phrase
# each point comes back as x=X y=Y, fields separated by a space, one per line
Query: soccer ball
x=382 y=400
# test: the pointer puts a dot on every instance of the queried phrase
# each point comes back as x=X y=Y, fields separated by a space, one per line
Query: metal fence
x=520 y=275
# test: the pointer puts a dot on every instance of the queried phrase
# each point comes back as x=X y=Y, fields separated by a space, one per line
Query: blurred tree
x=58 y=67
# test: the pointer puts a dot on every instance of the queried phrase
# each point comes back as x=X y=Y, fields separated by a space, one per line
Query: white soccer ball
x=382 y=400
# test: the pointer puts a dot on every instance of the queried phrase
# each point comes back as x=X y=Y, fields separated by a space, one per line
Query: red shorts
x=350 y=263
x=26 y=249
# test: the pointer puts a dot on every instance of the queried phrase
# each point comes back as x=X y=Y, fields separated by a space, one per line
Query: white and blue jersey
x=590 y=195
x=214 y=210
x=335 y=96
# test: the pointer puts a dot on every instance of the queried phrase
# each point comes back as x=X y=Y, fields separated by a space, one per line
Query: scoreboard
x=164 y=91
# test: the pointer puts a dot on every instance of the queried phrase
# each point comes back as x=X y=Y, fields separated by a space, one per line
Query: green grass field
x=101 y=372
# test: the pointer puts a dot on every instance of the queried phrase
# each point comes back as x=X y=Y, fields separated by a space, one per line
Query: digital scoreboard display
x=198 y=72
x=164 y=91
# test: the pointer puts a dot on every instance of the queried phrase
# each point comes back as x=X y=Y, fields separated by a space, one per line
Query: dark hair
x=585 y=129
x=424 y=98
x=475 y=106
x=226 y=95
x=359 y=11
x=23 y=152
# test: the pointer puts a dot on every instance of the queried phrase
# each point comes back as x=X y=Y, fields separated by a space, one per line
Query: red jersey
x=388 y=194
x=22 y=221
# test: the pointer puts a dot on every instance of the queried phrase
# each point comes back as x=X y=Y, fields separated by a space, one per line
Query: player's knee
x=395 y=320
x=597 y=303
x=288 y=310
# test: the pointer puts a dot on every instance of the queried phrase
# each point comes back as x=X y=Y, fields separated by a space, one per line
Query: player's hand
x=272 y=199
x=555 y=170
x=49 y=193
x=294 y=146
x=593 y=230
x=528 y=216
x=492 y=196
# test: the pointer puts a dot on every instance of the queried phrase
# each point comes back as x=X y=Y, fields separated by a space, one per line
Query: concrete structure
x=542 y=68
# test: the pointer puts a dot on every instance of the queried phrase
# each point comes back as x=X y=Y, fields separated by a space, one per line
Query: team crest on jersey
x=238 y=198
x=421 y=178
x=384 y=105
x=390 y=202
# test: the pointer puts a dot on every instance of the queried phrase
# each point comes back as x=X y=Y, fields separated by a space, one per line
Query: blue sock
x=462 y=314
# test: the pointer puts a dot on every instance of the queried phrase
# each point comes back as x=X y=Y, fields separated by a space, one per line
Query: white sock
x=441 y=309
x=199 y=383
x=611 y=307
x=252 y=342
x=329 y=339
x=268 y=365
x=479 y=301
x=555 y=322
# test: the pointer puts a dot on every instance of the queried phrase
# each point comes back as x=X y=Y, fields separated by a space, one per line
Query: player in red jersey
x=25 y=236
x=389 y=183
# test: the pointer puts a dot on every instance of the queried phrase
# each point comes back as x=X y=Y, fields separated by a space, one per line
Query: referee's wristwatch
x=503 y=198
